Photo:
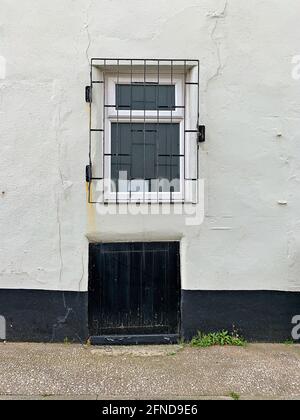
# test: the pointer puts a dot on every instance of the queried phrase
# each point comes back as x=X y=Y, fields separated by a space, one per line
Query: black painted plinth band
x=53 y=316
x=262 y=316
x=44 y=316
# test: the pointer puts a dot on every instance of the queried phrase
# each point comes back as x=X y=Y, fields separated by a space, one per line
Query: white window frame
x=179 y=115
x=113 y=81
x=112 y=115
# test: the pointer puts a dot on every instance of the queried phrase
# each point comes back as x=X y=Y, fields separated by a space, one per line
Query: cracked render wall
x=250 y=104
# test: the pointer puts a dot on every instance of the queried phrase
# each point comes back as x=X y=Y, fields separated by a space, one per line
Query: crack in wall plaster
x=161 y=22
x=153 y=34
x=59 y=242
x=61 y=321
x=217 y=16
x=170 y=17
x=57 y=124
x=83 y=272
x=13 y=273
x=86 y=26
x=59 y=119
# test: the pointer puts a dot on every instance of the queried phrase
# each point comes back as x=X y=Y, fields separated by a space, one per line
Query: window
x=146 y=154
x=148 y=129
x=148 y=97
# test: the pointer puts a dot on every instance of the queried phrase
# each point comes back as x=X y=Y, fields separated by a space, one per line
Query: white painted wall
x=251 y=161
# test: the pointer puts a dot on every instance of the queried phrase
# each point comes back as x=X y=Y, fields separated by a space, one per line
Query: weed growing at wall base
x=235 y=396
x=222 y=338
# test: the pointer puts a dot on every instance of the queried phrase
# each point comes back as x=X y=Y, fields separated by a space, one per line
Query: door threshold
x=129 y=340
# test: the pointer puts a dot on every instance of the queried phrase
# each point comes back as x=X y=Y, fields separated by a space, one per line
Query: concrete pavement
x=53 y=371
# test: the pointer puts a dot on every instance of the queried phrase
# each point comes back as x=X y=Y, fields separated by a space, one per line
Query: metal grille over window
x=144 y=131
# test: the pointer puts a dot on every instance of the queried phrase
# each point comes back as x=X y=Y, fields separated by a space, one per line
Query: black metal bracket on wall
x=88 y=173
x=88 y=94
x=202 y=134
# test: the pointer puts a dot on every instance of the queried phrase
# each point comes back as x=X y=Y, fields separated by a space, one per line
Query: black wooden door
x=134 y=288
